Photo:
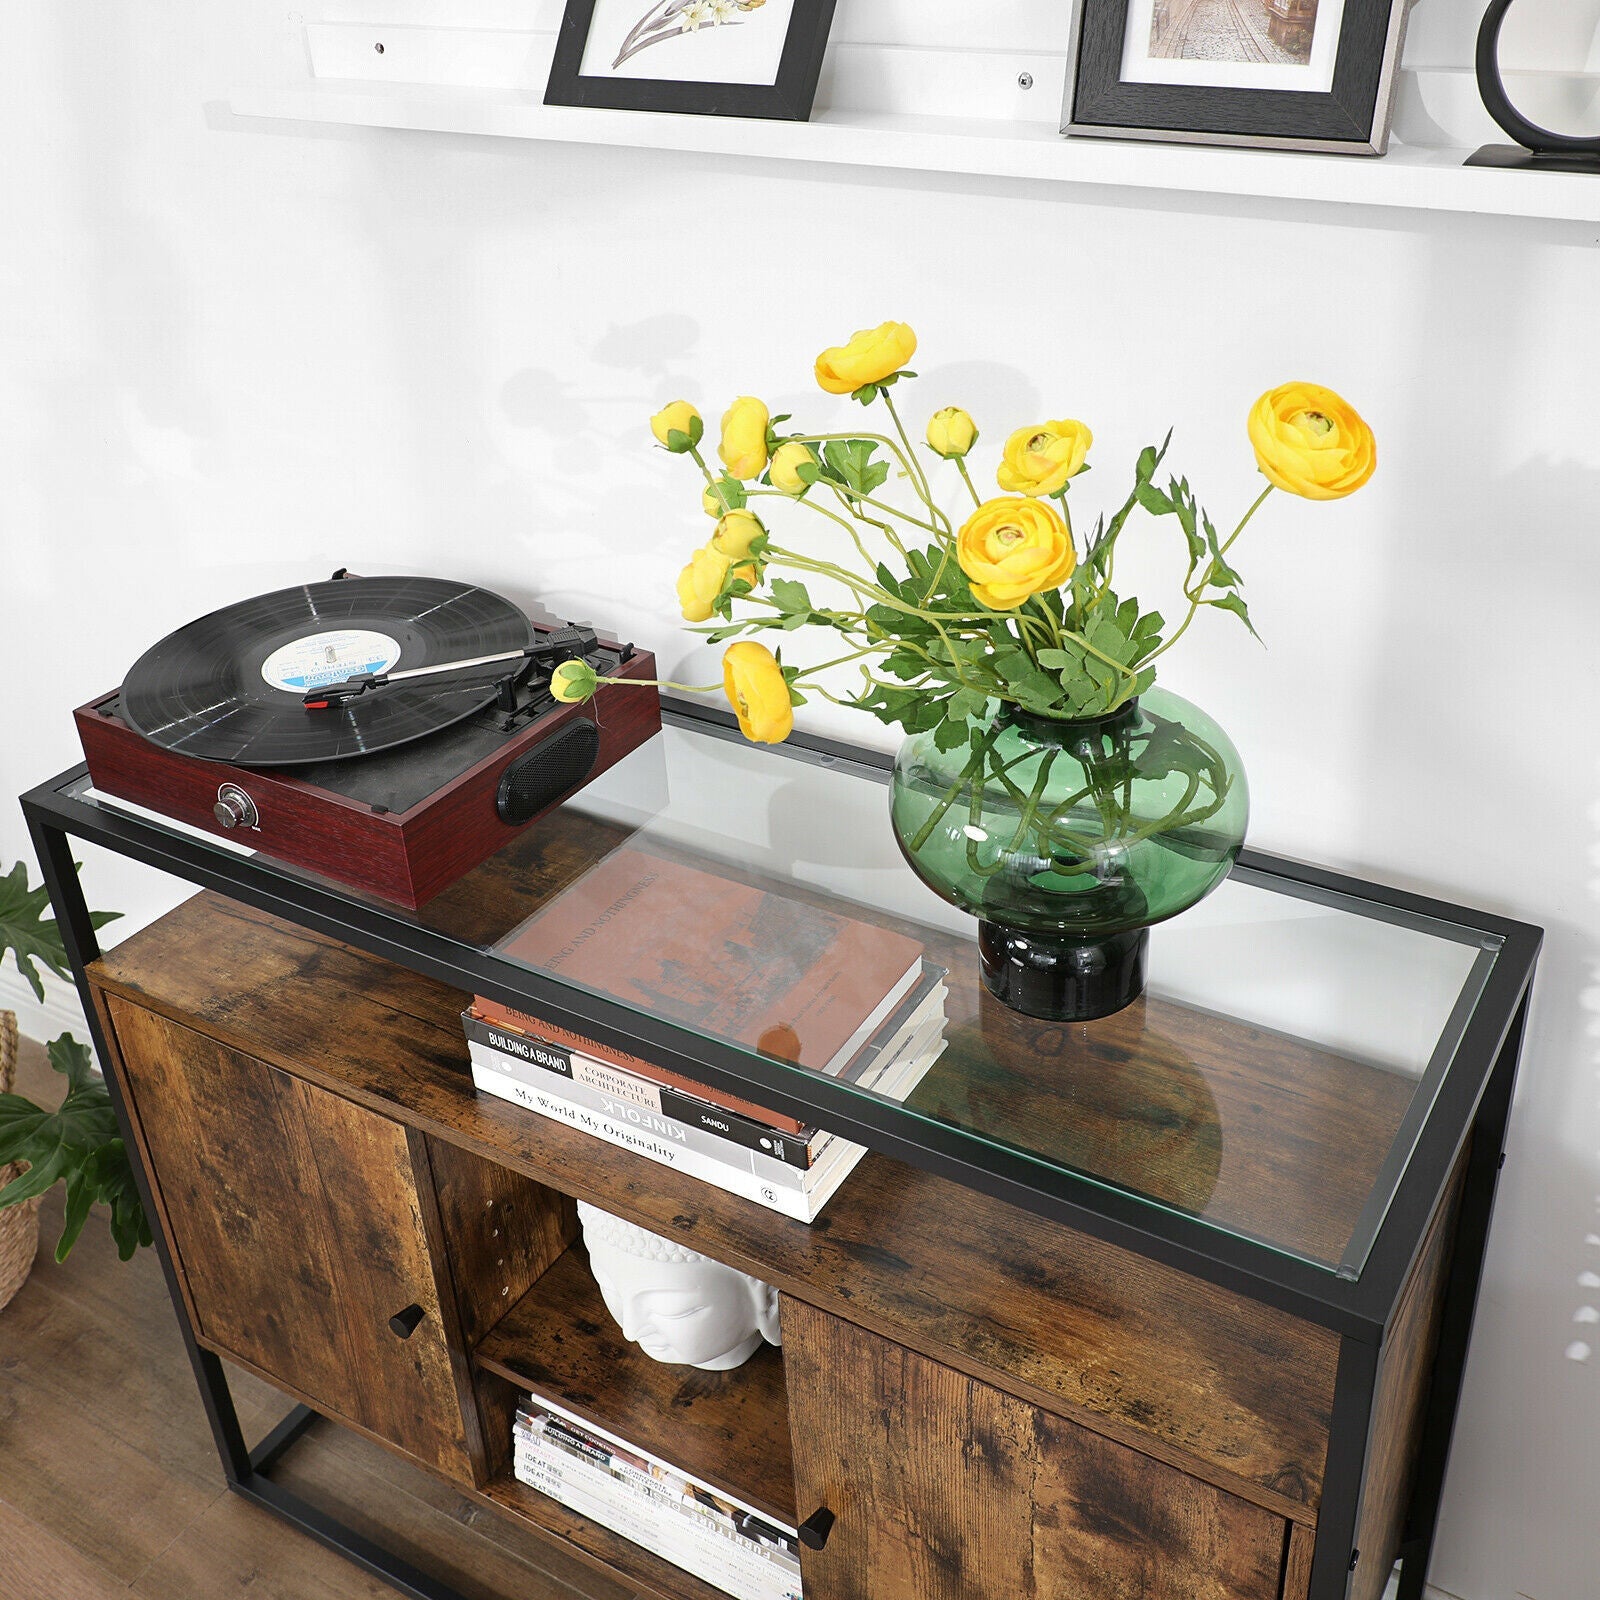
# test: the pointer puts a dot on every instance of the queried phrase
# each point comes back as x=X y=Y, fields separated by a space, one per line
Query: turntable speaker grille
x=548 y=771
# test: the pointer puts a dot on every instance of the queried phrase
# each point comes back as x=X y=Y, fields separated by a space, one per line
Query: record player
x=389 y=733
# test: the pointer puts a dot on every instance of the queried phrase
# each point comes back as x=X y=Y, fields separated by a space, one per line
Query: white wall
x=235 y=354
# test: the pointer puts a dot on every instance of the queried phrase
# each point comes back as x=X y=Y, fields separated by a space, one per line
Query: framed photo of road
x=1281 y=74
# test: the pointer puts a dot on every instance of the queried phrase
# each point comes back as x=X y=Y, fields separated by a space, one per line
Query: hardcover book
x=776 y=975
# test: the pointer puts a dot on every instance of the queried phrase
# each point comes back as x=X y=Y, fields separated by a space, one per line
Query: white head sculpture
x=679 y=1307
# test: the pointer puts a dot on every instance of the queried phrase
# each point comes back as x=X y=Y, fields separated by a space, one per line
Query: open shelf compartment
x=730 y=1429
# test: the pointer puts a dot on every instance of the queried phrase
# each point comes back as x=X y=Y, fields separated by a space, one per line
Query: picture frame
x=1273 y=74
x=686 y=56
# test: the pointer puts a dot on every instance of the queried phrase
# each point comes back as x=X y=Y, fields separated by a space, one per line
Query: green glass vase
x=1068 y=838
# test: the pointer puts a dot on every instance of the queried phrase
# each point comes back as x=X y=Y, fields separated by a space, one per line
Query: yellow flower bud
x=758 y=692
x=711 y=502
x=701 y=582
x=734 y=533
x=1311 y=442
x=786 y=465
x=573 y=682
x=744 y=438
x=1040 y=459
x=951 y=433
x=1011 y=548
x=677 y=418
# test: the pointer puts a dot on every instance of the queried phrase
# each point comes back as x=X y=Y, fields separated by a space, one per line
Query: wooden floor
x=109 y=1485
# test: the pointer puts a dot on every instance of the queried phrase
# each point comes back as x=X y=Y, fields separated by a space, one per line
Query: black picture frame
x=1351 y=118
x=788 y=98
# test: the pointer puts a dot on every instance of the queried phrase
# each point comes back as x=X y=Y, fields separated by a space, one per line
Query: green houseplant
x=78 y=1143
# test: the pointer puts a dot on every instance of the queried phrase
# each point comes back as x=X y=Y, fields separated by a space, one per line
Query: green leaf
x=951 y=734
x=791 y=595
x=1109 y=639
x=29 y=934
x=1060 y=660
x=866 y=394
x=966 y=703
x=731 y=492
x=1152 y=499
x=77 y=1144
x=1235 y=604
x=850 y=462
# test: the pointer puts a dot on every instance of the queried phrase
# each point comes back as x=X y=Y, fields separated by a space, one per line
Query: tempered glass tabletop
x=1271 y=1084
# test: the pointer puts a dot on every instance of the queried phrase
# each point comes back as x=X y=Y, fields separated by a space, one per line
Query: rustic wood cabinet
x=1169 y=1307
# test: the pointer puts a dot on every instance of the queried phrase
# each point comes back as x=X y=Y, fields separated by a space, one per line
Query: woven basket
x=19 y=1225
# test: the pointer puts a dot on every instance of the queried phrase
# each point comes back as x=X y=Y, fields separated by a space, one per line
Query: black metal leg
x=78 y=936
x=1461 y=1299
x=244 y=1470
x=1354 y=1386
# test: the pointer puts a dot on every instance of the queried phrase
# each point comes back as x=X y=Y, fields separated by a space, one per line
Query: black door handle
x=815 y=1529
x=404 y=1323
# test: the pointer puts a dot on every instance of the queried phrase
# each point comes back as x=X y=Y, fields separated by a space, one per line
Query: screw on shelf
x=1024 y=80
x=379 y=49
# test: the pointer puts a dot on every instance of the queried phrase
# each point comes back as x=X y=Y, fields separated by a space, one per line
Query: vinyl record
x=229 y=686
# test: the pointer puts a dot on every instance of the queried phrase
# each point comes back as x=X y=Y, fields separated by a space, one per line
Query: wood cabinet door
x=297 y=1225
x=944 y=1488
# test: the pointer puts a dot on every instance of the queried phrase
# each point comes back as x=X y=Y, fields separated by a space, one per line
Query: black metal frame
x=1352 y=116
x=1473 y=1102
x=787 y=99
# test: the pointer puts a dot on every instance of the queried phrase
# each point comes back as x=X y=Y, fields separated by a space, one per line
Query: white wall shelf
x=1411 y=177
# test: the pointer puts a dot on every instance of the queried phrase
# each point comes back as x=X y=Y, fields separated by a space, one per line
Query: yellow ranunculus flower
x=744 y=438
x=1311 y=442
x=678 y=417
x=573 y=682
x=734 y=533
x=951 y=433
x=1040 y=459
x=870 y=357
x=701 y=581
x=787 y=461
x=1013 y=548
x=756 y=689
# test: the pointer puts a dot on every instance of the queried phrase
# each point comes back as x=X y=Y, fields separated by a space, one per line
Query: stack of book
x=694 y=1526
x=791 y=980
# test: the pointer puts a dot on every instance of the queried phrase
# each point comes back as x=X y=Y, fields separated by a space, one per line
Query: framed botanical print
x=1282 y=74
x=728 y=58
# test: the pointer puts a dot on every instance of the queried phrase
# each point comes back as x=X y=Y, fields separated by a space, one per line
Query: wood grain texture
x=92 y=1363
x=1297 y=1562
x=296 y=1219
x=501 y=1233
x=101 y=1496
x=1231 y=1390
x=729 y=1428
x=1405 y=1371
x=947 y=1489
x=34 y=1561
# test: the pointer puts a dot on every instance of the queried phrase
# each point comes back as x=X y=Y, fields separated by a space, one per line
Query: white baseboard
x=60 y=1013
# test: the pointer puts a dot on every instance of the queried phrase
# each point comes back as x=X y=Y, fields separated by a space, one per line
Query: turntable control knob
x=234 y=808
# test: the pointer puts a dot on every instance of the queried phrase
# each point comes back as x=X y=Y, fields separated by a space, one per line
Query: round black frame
x=1492 y=87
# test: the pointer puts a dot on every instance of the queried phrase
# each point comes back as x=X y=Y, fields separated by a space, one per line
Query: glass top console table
x=1314 y=1061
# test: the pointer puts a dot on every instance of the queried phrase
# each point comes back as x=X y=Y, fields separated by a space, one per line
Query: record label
x=319 y=659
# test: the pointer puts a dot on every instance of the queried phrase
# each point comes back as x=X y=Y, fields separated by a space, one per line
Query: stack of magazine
x=782 y=977
x=703 y=1530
